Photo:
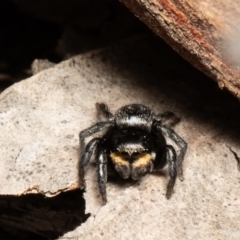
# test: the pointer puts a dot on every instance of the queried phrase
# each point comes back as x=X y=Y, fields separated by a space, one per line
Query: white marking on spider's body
x=101 y=160
x=135 y=121
x=153 y=154
x=131 y=148
x=151 y=166
x=101 y=170
x=171 y=154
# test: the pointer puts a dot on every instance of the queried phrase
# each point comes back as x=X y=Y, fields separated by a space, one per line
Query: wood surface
x=204 y=32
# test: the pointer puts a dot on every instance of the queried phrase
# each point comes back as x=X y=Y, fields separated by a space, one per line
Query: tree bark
x=204 y=33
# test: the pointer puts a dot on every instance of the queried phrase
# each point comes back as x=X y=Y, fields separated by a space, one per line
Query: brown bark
x=198 y=31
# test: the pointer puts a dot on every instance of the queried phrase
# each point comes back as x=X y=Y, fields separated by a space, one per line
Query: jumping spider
x=132 y=145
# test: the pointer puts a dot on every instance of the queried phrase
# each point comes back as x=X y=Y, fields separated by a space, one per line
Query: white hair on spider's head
x=131 y=148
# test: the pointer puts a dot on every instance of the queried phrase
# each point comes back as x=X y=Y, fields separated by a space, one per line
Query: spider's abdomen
x=134 y=115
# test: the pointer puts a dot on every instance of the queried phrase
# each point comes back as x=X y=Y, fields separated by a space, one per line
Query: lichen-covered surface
x=206 y=33
x=40 y=119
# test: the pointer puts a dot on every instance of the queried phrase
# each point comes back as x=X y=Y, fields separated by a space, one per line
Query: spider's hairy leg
x=168 y=118
x=171 y=159
x=103 y=108
x=180 y=143
x=101 y=126
x=85 y=158
x=102 y=173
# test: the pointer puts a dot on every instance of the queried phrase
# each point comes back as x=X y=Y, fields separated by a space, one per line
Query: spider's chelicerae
x=133 y=144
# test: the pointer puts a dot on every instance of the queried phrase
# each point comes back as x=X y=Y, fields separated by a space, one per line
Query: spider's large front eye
x=136 y=155
x=124 y=154
x=130 y=156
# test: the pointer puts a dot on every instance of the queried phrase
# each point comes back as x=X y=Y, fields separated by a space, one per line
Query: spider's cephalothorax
x=132 y=145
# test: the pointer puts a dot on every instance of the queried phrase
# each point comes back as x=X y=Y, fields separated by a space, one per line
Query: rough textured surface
x=40 y=119
x=39 y=64
x=204 y=32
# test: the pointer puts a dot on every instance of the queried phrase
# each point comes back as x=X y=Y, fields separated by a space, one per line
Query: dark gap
x=23 y=39
x=35 y=216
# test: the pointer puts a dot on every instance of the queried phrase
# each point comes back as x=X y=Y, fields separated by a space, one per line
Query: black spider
x=133 y=144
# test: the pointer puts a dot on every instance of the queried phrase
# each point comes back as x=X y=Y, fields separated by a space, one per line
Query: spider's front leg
x=101 y=126
x=86 y=152
x=102 y=172
x=103 y=108
x=168 y=119
x=171 y=159
x=180 y=143
x=85 y=158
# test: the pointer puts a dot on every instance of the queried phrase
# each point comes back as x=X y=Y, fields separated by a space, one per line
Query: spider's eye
x=135 y=154
x=130 y=155
x=124 y=154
